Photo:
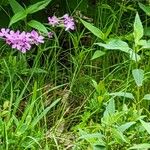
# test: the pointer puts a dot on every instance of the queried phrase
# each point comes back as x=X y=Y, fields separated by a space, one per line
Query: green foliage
x=82 y=90
x=21 y=13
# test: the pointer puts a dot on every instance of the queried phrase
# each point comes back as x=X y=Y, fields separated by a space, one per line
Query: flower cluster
x=66 y=21
x=21 y=41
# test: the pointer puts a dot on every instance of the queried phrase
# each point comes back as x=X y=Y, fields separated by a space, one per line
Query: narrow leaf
x=123 y=94
x=146 y=125
x=37 y=25
x=97 y=32
x=37 y=6
x=110 y=109
x=145 y=8
x=38 y=118
x=119 y=136
x=144 y=146
x=138 y=75
x=16 y=7
x=97 y=54
x=125 y=126
x=138 y=29
x=17 y=17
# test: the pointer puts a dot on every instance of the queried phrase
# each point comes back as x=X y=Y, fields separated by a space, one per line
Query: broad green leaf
x=37 y=25
x=145 y=8
x=38 y=118
x=125 y=126
x=138 y=29
x=123 y=94
x=143 y=146
x=138 y=75
x=17 y=17
x=147 y=97
x=98 y=54
x=96 y=31
x=115 y=44
x=16 y=7
x=146 y=125
x=37 y=6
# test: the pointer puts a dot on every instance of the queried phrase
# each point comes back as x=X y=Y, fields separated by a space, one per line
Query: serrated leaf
x=98 y=54
x=17 y=17
x=122 y=94
x=96 y=31
x=138 y=29
x=37 y=6
x=138 y=75
x=115 y=44
x=147 y=97
x=37 y=25
x=146 y=125
x=16 y=7
x=142 y=146
x=145 y=8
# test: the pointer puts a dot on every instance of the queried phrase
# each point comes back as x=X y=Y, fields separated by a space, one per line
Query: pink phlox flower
x=4 y=32
x=53 y=21
x=36 y=38
x=20 y=41
x=68 y=22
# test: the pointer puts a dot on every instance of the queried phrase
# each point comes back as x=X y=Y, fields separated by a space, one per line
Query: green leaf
x=145 y=44
x=138 y=29
x=99 y=147
x=119 y=136
x=138 y=75
x=125 y=126
x=17 y=17
x=97 y=32
x=123 y=94
x=147 y=97
x=37 y=25
x=115 y=44
x=37 y=6
x=16 y=7
x=145 y=8
x=134 y=56
x=98 y=54
x=110 y=109
x=142 y=146
x=38 y=118
x=146 y=125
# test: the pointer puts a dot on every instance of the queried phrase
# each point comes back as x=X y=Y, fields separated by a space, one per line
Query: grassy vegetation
x=87 y=89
